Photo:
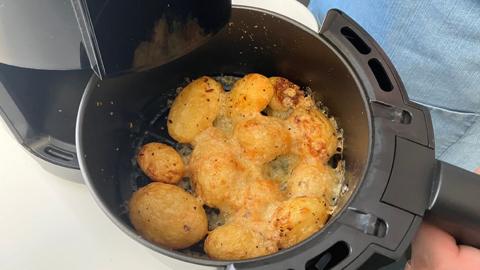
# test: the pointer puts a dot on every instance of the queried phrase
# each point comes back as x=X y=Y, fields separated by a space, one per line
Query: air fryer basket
x=347 y=71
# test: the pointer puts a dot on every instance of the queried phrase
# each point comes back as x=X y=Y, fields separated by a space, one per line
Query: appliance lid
x=124 y=36
x=40 y=35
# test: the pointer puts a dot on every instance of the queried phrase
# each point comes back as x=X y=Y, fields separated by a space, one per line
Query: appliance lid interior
x=124 y=36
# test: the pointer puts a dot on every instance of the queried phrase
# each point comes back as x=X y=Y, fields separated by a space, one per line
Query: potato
x=215 y=170
x=266 y=174
x=312 y=180
x=262 y=138
x=161 y=163
x=167 y=215
x=312 y=133
x=194 y=109
x=286 y=94
x=298 y=218
x=234 y=241
x=262 y=192
x=251 y=94
x=256 y=198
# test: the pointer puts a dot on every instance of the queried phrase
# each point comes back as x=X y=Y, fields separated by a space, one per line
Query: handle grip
x=455 y=206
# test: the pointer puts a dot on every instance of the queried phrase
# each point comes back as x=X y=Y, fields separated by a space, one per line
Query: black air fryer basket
x=391 y=170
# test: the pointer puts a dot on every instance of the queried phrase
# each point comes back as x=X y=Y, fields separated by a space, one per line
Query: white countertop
x=51 y=223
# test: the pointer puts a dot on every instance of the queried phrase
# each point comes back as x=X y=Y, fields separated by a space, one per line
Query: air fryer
x=393 y=177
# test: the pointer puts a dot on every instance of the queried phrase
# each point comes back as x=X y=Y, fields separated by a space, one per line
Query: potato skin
x=286 y=94
x=312 y=180
x=262 y=138
x=251 y=94
x=161 y=163
x=167 y=215
x=299 y=218
x=261 y=192
x=257 y=201
x=236 y=241
x=268 y=175
x=194 y=109
x=215 y=170
x=312 y=133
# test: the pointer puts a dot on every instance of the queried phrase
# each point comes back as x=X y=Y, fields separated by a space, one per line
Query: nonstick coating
x=115 y=113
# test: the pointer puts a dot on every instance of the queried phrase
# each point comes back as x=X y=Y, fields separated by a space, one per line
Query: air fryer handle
x=455 y=206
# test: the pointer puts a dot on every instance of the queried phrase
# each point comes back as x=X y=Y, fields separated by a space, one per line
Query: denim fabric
x=435 y=46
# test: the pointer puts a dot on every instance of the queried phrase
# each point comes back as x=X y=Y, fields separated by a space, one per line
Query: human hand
x=434 y=249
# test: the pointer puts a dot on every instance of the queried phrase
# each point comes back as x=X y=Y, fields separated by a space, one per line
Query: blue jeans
x=435 y=46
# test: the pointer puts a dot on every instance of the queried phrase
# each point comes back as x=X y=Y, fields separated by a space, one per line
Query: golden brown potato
x=251 y=94
x=256 y=197
x=286 y=94
x=161 y=163
x=215 y=170
x=261 y=192
x=311 y=180
x=167 y=215
x=235 y=241
x=266 y=174
x=194 y=109
x=312 y=133
x=262 y=138
x=298 y=218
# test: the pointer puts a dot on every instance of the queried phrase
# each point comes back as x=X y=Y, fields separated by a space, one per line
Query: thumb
x=432 y=249
x=408 y=266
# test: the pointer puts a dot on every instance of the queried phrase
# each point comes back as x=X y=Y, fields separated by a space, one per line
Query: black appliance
x=48 y=56
x=62 y=48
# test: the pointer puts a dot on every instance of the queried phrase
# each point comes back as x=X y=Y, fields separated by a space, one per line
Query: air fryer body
x=346 y=70
x=43 y=74
x=49 y=48
x=388 y=189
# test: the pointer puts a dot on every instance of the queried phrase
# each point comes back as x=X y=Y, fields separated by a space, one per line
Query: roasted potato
x=286 y=94
x=167 y=215
x=215 y=170
x=312 y=133
x=161 y=163
x=312 y=180
x=194 y=109
x=236 y=241
x=259 y=155
x=250 y=95
x=262 y=138
x=256 y=198
x=298 y=218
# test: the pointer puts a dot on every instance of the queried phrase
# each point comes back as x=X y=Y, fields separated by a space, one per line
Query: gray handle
x=455 y=205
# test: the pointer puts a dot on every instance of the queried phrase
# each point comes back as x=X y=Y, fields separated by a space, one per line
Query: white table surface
x=51 y=223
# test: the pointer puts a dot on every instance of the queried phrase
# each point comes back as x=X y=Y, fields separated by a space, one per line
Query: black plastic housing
x=391 y=170
x=40 y=108
x=361 y=89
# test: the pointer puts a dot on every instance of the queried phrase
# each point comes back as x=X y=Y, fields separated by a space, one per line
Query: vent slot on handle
x=380 y=75
x=330 y=257
x=356 y=41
